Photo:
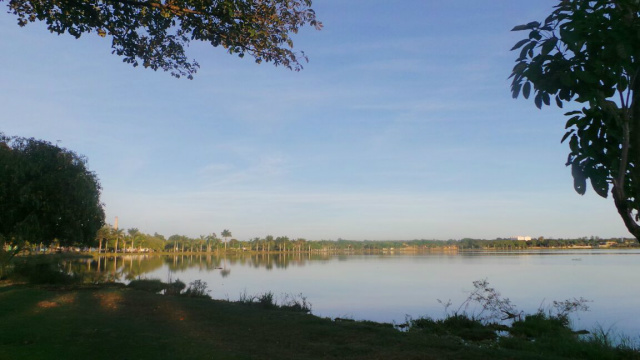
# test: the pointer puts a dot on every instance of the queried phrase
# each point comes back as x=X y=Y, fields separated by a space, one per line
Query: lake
x=387 y=288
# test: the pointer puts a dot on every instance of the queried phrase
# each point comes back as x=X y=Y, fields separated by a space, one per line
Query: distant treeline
x=109 y=239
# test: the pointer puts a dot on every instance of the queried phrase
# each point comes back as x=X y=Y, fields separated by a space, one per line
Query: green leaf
x=600 y=185
x=520 y=28
x=519 y=44
x=529 y=26
x=519 y=67
x=538 y=100
x=574 y=112
x=533 y=25
x=546 y=99
x=579 y=178
x=526 y=49
x=535 y=34
x=526 y=90
x=566 y=135
x=515 y=89
x=548 y=45
x=558 y=102
x=565 y=79
x=573 y=144
x=587 y=77
x=621 y=50
x=571 y=122
x=550 y=19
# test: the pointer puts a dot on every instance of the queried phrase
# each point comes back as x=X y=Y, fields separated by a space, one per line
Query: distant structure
x=520 y=238
x=115 y=225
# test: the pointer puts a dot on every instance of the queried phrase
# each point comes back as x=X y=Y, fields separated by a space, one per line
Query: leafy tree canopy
x=155 y=33
x=589 y=52
x=46 y=193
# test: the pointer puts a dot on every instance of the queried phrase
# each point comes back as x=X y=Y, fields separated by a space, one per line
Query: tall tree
x=134 y=233
x=155 y=33
x=212 y=240
x=103 y=235
x=46 y=194
x=589 y=52
x=268 y=240
x=225 y=234
x=117 y=234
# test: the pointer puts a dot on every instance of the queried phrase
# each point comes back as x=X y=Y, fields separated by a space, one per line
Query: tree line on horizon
x=109 y=239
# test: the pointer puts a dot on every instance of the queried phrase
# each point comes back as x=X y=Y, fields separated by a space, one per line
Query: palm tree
x=133 y=233
x=117 y=233
x=268 y=241
x=255 y=242
x=225 y=234
x=211 y=238
x=103 y=234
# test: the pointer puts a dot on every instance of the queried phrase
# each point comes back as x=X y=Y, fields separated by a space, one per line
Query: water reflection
x=124 y=268
x=112 y=268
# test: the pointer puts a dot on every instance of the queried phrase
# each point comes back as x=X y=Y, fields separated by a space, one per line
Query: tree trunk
x=630 y=155
x=625 y=212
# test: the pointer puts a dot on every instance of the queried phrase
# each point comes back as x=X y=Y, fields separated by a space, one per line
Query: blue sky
x=401 y=126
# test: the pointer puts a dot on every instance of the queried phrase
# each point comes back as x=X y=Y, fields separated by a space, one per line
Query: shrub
x=197 y=288
x=151 y=285
x=267 y=300
x=539 y=325
x=296 y=303
x=174 y=287
x=459 y=325
x=246 y=299
x=485 y=314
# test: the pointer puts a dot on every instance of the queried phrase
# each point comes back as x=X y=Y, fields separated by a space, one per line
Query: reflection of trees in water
x=183 y=262
x=279 y=260
x=136 y=266
x=130 y=267
x=112 y=268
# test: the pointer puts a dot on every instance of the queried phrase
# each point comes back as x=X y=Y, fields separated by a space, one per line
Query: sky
x=401 y=126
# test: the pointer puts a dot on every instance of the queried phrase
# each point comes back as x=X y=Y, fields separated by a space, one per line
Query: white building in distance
x=520 y=238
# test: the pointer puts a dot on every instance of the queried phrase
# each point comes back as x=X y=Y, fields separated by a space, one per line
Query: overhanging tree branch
x=155 y=34
x=585 y=52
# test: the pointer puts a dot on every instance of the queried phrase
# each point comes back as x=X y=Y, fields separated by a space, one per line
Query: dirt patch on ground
x=64 y=299
x=47 y=304
x=109 y=300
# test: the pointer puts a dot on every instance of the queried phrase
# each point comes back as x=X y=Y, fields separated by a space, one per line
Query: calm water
x=389 y=287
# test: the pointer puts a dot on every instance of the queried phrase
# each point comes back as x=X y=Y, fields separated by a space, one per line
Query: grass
x=112 y=321
x=268 y=300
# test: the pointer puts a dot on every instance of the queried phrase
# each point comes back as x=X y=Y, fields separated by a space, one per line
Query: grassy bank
x=114 y=322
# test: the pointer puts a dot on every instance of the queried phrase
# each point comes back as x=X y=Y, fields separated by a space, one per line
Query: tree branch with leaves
x=154 y=34
x=588 y=52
